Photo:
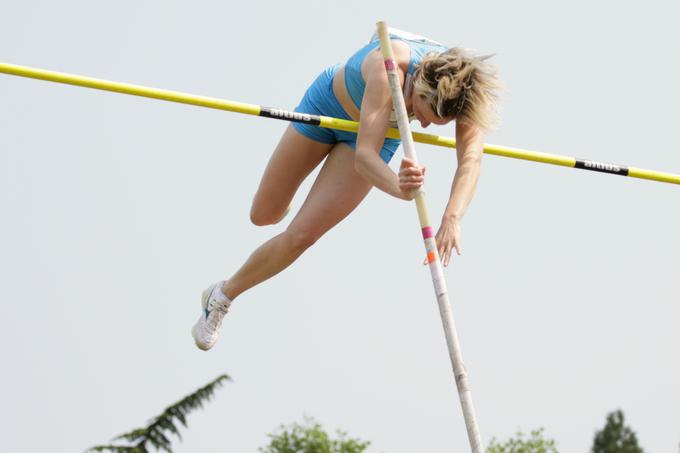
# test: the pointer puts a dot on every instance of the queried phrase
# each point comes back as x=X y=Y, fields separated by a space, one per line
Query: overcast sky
x=117 y=211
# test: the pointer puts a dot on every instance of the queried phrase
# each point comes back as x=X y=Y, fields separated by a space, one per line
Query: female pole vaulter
x=440 y=85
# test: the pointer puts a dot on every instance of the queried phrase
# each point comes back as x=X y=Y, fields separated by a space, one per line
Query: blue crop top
x=419 y=46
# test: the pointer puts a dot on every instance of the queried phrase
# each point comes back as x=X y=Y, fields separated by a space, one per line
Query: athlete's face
x=424 y=113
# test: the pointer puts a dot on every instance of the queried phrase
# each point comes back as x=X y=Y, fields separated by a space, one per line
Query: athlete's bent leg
x=293 y=159
x=338 y=189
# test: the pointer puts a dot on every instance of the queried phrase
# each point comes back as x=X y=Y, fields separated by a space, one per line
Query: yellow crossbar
x=325 y=121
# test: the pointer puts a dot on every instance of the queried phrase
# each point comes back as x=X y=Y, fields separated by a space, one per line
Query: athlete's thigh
x=293 y=159
x=337 y=190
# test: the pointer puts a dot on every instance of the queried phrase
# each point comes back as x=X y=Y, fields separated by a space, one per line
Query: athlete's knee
x=259 y=217
x=262 y=217
x=261 y=212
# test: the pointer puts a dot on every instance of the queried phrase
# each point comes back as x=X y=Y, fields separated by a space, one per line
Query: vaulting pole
x=435 y=264
x=325 y=121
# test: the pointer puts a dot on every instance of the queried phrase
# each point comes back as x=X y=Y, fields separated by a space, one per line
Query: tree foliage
x=157 y=433
x=311 y=438
x=616 y=437
x=535 y=443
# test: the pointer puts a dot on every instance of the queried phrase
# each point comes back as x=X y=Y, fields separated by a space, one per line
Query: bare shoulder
x=468 y=132
x=374 y=64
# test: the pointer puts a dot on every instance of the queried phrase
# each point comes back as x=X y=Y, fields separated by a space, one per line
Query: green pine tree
x=311 y=438
x=616 y=437
x=519 y=444
x=157 y=433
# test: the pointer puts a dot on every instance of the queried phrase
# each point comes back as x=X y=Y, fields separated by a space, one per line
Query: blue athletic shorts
x=320 y=100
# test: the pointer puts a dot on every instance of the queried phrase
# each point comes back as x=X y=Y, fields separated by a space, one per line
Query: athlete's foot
x=215 y=305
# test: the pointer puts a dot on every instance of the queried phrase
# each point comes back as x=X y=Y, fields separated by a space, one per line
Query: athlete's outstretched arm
x=469 y=150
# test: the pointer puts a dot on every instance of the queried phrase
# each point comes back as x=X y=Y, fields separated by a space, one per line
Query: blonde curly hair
x=460 y=85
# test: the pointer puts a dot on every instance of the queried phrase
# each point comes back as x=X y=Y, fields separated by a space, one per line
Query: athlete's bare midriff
x=340 y=91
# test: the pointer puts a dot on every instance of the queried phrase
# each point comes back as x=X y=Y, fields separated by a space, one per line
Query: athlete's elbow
x=471 y=162
x=360 y=161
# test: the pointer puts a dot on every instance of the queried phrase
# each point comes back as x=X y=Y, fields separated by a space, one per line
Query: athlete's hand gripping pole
x=433 y=260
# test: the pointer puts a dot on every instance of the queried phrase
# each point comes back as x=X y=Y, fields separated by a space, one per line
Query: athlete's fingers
x=406 y=162
x=411 y=171
x=447 y=256
x=411 y=178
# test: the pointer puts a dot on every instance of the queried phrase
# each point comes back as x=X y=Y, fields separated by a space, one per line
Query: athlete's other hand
x=411 y=178
x=448 y=240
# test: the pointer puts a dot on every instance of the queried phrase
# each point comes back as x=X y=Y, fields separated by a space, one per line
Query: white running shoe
x=207 y=328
